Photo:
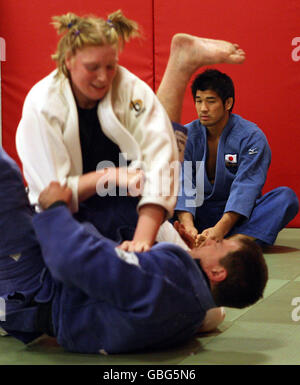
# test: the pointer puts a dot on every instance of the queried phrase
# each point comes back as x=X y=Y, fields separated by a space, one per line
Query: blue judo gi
x=21 y=263
x=243 y=159
x=76 y=285
x=115 y=301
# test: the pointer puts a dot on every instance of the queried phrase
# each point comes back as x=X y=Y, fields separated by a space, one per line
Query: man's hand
x=191 y=230
x=187 y=220
x=213 y=233
x=53 y=193
x=192 y=241
x=222 y=227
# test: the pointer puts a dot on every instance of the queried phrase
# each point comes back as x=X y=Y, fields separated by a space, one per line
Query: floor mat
x=267 y=333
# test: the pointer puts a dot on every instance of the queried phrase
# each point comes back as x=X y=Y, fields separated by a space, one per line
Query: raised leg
x=187 y=54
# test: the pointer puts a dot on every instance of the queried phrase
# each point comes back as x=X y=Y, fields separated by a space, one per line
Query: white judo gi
x=130 y=115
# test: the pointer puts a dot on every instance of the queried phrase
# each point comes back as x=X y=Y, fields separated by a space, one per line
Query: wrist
x=186 y=219
x=222 y=229
x=227 y=222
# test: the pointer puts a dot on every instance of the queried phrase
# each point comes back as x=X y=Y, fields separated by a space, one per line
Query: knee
x=290 y=199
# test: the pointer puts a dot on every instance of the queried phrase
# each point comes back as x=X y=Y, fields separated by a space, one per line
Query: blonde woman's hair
x=90 y=31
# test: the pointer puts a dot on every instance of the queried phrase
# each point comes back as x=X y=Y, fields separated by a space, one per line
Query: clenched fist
x=53 y=193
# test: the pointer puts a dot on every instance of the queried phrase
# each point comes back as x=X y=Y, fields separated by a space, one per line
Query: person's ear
x=217 y=274
x=228 y=104
x=68 y=59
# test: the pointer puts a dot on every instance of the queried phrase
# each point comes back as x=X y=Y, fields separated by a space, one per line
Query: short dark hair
x=216 y=81
x=247 y=275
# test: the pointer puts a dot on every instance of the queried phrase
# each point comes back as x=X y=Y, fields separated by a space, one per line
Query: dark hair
x=217 y=81
x=247 y=275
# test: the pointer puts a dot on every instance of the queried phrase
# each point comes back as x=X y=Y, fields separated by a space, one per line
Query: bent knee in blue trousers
x=272 y=212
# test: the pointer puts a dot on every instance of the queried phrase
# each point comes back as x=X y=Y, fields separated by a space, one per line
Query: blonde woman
x=91 y=109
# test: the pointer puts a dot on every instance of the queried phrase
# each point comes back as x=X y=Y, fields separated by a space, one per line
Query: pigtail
x=68 y=25
x=65 y=23
x=79 y=32
x=124 y=27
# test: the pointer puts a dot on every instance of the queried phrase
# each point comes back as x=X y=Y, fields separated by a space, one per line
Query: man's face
x=210 y=252
x=92 y=70
x=210 y=108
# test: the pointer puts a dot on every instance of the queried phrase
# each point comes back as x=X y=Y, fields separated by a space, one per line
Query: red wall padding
x=267 y=84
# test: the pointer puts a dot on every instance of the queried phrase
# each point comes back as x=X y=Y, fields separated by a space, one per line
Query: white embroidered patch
x=137 y=106
x=16 y=257
x=128 y=257
x=252 y=151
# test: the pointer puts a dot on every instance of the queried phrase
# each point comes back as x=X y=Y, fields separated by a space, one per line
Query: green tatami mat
x=267 y=333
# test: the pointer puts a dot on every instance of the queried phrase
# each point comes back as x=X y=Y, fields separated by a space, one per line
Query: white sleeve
x=167 y=233
x=151 y=127
x=42 y=151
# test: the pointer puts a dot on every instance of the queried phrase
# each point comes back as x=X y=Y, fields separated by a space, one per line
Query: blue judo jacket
x=103 y=299
x=111 y=301
x=243 y=160
x=15 y=212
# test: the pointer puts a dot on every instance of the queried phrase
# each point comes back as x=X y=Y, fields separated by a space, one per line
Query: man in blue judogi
x=230 y=157
x=62 y=278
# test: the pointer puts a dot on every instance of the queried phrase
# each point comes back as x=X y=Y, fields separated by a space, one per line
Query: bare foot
x=191 y=52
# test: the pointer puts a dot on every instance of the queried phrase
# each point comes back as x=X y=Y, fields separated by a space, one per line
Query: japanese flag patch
x=231 y=159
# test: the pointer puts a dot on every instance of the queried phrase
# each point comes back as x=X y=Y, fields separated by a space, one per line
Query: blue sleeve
x=92 y=264
x=253 y=165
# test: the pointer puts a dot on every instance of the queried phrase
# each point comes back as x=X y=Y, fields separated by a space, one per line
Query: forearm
x=188 y=230
x=226 y=223
x=87 y=185
x=186 y=218
x=93 y=182
x=105 y=179
x=150 y=218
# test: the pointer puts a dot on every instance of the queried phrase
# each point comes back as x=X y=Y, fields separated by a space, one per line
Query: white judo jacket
x=48 y=141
